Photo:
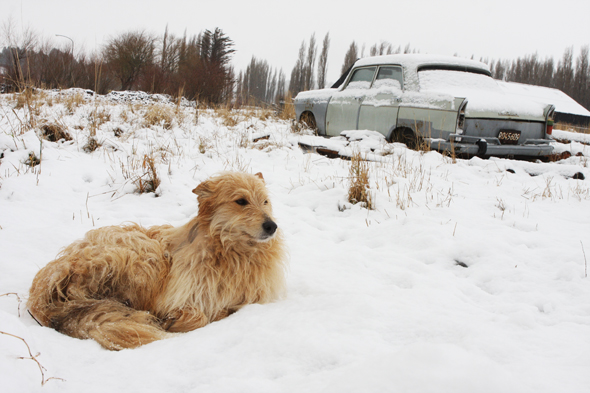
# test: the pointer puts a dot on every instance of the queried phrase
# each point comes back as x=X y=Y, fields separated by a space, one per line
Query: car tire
x=408 y=137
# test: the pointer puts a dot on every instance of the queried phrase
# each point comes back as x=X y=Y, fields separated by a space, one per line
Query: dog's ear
x=204 y=189
x=259 y=175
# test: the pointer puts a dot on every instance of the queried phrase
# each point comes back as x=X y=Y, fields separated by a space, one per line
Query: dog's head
x=236 y=207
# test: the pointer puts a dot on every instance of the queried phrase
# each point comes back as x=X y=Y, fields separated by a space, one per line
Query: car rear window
x=447 y=81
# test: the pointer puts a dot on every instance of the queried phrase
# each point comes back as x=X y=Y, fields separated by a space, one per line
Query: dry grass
x=571 y=127
x=54 y=132
x=359 y=189
x=149 y=181
x=33 y=160
x=25 y=98
x=159 y=115
x=98 y=117
x=228 y=116
x=30 y=102
x=287 y=110
x=142 y=172
x=73 y=101
x=91 y=145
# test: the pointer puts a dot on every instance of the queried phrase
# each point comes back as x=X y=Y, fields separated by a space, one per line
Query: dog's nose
x=269 y=227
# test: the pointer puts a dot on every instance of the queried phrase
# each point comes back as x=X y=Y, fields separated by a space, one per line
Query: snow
x=469 y=275
x=563 y=103
x=416 y=60
x=485 y=96
x=317 y=95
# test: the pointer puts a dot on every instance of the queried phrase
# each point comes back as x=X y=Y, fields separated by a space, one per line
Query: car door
x=343 y=109
x=379 y=109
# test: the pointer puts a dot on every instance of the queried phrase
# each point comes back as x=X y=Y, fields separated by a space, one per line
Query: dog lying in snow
x=125 y=286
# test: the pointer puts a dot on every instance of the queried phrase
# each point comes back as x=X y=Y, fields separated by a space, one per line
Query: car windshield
x=362 y=78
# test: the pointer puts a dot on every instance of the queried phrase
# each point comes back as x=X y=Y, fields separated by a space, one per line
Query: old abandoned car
x=445 y=103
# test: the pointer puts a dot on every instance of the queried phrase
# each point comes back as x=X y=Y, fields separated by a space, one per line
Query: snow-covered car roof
x=417 y=61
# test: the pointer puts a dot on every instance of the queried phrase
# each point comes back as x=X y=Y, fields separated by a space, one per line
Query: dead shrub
x=91 y=145
x=158 y=115
x=359 y=189
x=54 y=132
x=118 y=132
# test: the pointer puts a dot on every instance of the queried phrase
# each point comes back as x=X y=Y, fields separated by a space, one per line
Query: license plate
x=509 y=137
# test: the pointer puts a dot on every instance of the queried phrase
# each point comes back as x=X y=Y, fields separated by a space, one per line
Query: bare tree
x=281 y=87
x=546 y=72
x=383 y=48
x=296 y=84
x=255 y=81
x=21 y=46
x=309 y=80
x=565 y=71
x=128 y=55
x=323 y=62
x=581 y=80
x=350 y=57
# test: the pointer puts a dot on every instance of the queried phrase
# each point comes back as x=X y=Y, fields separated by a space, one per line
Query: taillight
x=461 y=118
x=549 y=127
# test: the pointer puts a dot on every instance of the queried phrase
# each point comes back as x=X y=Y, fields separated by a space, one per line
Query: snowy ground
x=469 y=276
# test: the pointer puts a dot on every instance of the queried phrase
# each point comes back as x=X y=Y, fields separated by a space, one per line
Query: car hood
x=320 y=94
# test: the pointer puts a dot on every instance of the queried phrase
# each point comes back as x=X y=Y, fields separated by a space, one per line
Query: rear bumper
x=472 y=146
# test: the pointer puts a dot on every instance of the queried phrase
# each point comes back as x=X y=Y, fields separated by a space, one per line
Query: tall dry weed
x=359 y=189
x=159 y=115
x=287 y=109
x=149 y=181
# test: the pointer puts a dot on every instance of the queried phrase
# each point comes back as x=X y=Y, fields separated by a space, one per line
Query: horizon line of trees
x=199 y=67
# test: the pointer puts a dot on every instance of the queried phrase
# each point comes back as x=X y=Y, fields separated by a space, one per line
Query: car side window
x=361 y=78
x=389 y=76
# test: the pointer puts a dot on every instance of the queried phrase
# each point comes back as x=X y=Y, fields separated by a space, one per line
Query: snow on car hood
x=316 y=95
x=486 y=98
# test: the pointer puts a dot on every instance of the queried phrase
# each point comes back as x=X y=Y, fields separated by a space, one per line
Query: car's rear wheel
x=407 y=136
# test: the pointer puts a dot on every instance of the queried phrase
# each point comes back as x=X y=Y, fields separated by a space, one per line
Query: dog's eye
x=266 y=202
x=242 y=202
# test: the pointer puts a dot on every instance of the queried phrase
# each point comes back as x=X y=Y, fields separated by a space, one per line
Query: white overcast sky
x=274 y=30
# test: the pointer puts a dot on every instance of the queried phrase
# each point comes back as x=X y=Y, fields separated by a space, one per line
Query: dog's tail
x=110 y=322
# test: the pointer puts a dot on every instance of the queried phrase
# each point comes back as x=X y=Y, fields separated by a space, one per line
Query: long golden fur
x=125 y=286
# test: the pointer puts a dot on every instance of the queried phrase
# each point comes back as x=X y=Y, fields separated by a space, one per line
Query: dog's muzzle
x=269 y=228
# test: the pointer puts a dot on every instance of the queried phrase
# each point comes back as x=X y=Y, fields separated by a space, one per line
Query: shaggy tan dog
x=126 y=286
